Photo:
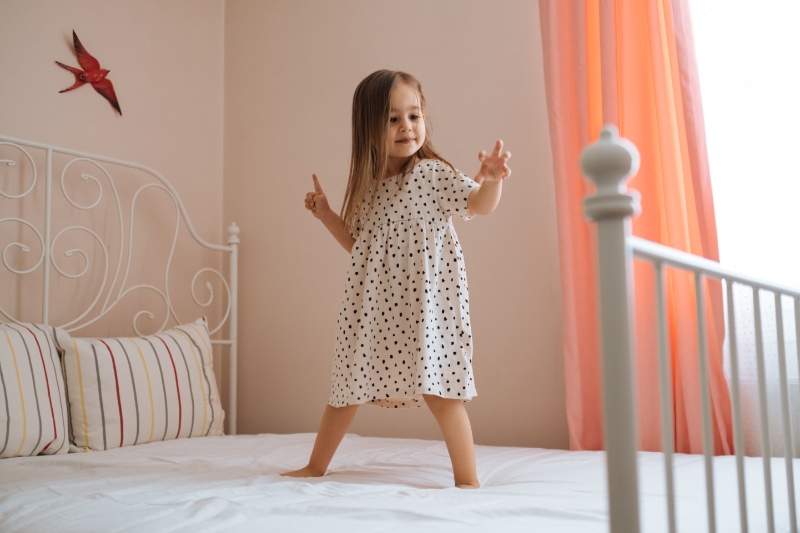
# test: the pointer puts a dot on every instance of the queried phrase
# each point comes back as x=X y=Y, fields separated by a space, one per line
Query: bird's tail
x=76 y=71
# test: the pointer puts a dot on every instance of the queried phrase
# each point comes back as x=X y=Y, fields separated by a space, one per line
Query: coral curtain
x=631 y=63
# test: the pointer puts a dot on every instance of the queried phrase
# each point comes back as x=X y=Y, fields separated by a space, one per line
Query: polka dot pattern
x=404 y=328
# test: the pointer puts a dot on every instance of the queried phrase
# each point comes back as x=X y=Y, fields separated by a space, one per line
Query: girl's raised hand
x=316 y=201
x=494 y=166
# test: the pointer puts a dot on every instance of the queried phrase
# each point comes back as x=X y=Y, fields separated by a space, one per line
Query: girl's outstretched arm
x=494 y=169
x=317 y=203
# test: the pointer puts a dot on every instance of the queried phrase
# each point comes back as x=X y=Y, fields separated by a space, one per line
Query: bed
x=123 y=430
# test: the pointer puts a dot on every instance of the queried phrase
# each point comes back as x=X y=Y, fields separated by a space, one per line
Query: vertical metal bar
x=619 y=404
x=738 y=436
x=788 y=451
x=609 y=163
x=797 y=330
x=796 y=302
x=48 y=215
x=233 y=327
x=762 y=408
x=708 y=437
x=665 y=374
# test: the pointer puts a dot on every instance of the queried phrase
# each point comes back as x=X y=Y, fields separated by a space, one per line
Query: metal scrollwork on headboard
x=17 y=247
x=83 y=219
x=97 y=246
x=13 y=163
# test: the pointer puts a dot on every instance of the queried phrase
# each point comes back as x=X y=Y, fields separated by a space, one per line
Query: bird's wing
x=105 y=88
x=85 y=59
x=69 y=68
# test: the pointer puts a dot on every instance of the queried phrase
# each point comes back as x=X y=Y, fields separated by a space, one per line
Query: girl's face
x=406 y=129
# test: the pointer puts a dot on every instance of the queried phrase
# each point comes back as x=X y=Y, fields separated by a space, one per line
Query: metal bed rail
x=610 y=162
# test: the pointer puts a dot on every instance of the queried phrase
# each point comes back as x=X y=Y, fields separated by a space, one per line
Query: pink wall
x=262 y=90
x=166 y=63
x=291 y=67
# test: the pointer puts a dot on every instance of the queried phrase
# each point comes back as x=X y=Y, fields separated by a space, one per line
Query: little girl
x=404 y=333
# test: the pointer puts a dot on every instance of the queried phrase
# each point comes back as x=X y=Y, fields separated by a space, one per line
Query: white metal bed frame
x=118 y=280
x=610 y=163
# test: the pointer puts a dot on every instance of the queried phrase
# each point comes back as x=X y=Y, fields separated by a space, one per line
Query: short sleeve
x=453 y=190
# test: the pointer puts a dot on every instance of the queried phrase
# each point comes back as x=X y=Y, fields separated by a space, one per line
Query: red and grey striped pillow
x=124 y=391
x=33 y=408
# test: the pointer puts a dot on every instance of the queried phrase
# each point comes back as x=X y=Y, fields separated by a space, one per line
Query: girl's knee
x=437 y=402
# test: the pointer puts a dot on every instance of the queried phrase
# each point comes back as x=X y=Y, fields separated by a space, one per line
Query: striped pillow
x=33 y=407
x=125 y=391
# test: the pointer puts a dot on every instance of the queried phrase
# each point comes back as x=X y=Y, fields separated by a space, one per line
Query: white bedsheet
x=376 y=485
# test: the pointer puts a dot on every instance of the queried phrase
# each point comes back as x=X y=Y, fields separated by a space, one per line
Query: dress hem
x=401 y=402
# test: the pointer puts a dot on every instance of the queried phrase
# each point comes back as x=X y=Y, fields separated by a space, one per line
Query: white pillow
x=124 y=391
x=33 y=407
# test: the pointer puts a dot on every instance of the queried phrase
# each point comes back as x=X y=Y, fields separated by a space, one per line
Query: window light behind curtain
x=748 y=56
x=631 y=63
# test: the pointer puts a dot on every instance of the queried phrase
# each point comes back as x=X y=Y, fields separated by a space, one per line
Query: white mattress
x=376 y=485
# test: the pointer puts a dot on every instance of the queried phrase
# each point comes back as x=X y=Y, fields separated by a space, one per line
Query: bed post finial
x=233 y=233
x=609 y=163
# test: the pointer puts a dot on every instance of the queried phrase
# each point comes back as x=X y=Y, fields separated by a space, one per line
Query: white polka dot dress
x=404 y=329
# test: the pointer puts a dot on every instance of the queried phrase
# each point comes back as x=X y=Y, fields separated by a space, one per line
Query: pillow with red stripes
x=124 y=391
x=33 y=407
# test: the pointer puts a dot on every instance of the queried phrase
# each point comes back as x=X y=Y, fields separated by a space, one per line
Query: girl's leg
x=332 y=429
x=457 y=431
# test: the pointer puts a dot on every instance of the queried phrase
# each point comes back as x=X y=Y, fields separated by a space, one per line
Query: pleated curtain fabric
x=631 y=63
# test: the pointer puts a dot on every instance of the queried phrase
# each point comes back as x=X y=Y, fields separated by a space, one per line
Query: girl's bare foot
x=468 y=485
x=304 y=472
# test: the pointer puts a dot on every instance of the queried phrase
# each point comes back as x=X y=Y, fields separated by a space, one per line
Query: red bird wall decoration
x=91 y=73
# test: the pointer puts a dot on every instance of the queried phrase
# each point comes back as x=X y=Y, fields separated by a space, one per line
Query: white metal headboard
x=110 y=221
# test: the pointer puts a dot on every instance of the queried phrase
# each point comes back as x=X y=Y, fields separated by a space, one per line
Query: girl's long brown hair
x=369 y=157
